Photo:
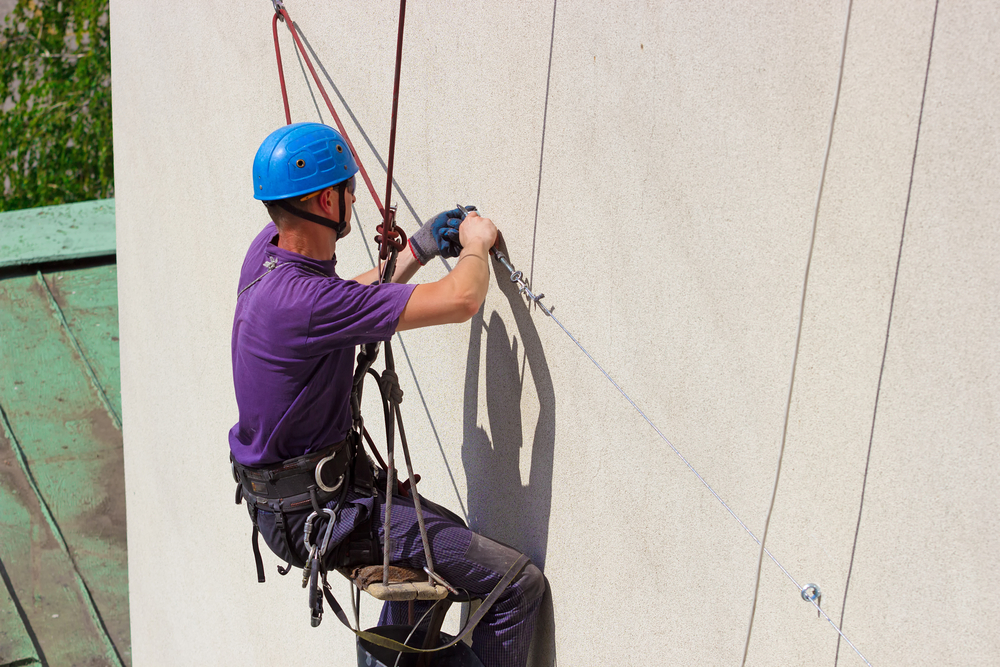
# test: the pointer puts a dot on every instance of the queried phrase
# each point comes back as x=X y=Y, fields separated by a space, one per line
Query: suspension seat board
x=404 y=584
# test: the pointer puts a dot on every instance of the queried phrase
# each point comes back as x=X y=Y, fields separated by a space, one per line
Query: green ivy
x=55 y=122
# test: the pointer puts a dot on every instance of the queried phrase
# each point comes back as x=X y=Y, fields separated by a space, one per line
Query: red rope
x=281 y=71
x=326 y=98
x=391 y=237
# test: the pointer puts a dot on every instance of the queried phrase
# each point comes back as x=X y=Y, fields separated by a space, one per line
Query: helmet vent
x=300 y=163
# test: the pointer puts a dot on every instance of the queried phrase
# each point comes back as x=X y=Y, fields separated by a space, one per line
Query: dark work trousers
x=466 y=560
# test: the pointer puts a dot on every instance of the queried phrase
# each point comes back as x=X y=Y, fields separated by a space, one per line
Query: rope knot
x=394 y=240
x=389 y=384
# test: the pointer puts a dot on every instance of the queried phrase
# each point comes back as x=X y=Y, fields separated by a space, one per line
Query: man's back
x=294 y=335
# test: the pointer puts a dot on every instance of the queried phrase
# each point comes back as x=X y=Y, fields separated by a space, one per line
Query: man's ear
x=328 y=202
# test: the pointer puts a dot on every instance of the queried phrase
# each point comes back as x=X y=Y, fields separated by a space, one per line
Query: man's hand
x=476 y=230
x=459 y=295
x=437 y=236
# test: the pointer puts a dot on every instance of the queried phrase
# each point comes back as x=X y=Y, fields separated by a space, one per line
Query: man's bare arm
x=458 y=296
x=406 y=267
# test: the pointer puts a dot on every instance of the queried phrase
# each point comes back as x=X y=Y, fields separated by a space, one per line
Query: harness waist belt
x=289 y=485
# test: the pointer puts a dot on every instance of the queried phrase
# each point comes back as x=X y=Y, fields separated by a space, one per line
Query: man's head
x=306 y=171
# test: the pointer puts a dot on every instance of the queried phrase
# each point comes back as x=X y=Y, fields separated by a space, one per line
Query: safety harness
x=310 y=482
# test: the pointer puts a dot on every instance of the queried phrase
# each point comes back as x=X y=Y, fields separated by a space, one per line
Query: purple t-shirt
x=294 y=337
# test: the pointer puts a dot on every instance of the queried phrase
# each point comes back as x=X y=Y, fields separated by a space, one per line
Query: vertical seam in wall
x=115 y=417
x=88 y=599
x=541 y=152
x=888 y=327
x=798 y=335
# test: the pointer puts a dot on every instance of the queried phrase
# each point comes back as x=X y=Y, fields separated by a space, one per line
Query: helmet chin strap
x=339 y=228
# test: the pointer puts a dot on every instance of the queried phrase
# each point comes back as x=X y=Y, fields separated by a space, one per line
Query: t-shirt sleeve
x=346 y=313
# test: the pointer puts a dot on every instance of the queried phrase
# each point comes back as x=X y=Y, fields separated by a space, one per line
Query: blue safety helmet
x=301 y=158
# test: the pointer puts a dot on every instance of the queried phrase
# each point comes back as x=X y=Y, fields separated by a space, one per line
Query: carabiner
x=307 y=540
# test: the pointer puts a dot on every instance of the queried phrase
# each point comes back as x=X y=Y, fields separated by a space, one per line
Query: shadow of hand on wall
x=509 y=478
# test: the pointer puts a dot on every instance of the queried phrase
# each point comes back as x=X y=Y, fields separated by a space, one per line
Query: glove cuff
x=417 y=254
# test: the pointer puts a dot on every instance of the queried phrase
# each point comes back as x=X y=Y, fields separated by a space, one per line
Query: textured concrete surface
x=654 y=169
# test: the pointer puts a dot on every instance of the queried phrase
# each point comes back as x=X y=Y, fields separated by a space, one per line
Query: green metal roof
x=57 y=233
x=64 y=589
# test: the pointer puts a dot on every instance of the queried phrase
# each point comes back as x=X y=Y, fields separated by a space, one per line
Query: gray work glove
x=437 y=236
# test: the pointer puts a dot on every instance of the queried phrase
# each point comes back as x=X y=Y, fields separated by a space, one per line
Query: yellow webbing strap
x=378 y=640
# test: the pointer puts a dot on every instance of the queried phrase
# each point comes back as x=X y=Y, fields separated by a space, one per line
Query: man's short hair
x=279 y=214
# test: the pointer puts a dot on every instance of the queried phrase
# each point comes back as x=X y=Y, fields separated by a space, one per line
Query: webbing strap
x=258 y=562
x=378 y=640
x=337 y=227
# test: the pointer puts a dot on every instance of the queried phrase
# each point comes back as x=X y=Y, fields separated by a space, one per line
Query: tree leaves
x=55 y=119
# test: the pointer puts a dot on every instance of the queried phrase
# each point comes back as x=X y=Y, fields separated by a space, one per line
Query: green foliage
x=55 y=123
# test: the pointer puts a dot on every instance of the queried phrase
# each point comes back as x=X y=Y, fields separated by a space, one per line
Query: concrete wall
x=654 y=168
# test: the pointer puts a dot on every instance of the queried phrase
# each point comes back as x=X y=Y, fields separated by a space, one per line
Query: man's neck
x=310 y=240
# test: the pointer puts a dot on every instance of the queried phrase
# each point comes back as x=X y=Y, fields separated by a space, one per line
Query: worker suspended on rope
x=296 y=327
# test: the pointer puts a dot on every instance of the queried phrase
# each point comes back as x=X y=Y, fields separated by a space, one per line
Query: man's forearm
x=406 y=268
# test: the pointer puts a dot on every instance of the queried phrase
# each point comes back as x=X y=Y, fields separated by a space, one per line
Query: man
x=294 y=335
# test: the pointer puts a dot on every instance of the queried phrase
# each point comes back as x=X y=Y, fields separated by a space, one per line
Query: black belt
x=290 y=485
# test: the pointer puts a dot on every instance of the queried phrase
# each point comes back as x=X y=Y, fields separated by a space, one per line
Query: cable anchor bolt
x=812 y=593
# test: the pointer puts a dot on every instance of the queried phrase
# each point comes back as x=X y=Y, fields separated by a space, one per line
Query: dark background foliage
x=55 y=122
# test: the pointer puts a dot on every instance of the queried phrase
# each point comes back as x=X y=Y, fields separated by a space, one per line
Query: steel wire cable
x=695 y=472
x=524 y=289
